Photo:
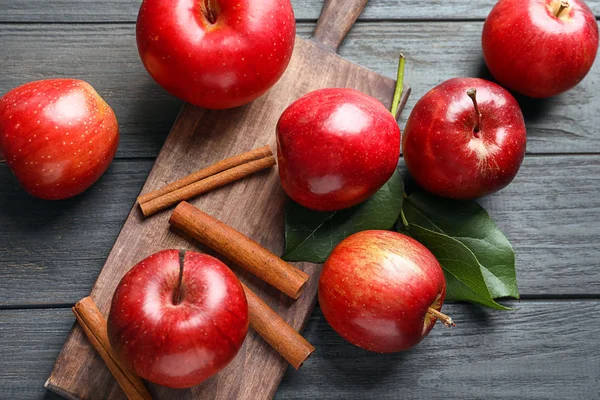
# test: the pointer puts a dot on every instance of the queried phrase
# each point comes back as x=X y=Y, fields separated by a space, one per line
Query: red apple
x=216 y=53
x=382 y=290
x=540 y=48
x=177 y=318
x=464 y=139
x=58 y=136
x=336 y=148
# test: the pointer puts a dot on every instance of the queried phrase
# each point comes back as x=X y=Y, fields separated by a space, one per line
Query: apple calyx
x=562 y=5
x=209 y=11
x=178 y=295
x=445 y=319
x=399 y=86
x=472 y=93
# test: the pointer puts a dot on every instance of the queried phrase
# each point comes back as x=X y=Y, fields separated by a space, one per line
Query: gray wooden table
x=547 y=348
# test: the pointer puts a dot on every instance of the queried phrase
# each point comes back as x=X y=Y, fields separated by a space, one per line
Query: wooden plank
x=51 y=252
x=106 y=56
x=253 y=206
x=542 y=350
x=126 y=10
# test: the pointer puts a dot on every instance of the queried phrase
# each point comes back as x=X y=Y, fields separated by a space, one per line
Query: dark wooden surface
x=51 y=253
x=253 y=206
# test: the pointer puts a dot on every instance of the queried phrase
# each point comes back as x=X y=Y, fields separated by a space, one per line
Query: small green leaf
x=481 y=264
x=311 y=235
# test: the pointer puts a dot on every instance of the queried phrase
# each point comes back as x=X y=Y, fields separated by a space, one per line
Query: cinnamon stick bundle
x=212 y=177
x=239 y=249
x=94 y=326
x=275 y=331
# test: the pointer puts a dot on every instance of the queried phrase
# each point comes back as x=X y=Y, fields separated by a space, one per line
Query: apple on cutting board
x=58 y=136
x=216 y=53
x=177 y=318
x=335 y=148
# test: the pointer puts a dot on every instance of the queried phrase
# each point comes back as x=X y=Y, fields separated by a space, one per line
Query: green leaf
x=311 y=235
x=478 y=260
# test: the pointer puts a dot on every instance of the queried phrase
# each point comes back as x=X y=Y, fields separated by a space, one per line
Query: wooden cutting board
x=254 y=206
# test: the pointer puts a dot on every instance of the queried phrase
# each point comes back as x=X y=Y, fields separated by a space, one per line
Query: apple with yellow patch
x=382 y=291
x=464 y=139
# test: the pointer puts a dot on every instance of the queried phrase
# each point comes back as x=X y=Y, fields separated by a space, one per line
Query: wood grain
x=51 y=253
x=106 y=56
x=126 y=10
x=337 y=17
x=253 y=206
x=543 y=350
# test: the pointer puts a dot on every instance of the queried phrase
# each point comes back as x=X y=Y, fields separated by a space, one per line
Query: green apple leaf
x=478 y=260
x=311 y=235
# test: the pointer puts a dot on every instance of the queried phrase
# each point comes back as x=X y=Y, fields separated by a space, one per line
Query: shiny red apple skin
x=178 y=344
x=443 y=153
x=335 y=148
x=376 y=288
x=531 y=51
x=217 y=65
x=58 y=136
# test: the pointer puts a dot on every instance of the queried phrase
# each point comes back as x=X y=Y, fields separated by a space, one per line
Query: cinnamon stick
x=221 y=166
x=217 y=175
x=94 y=326
x=239 y=248
x=205 y=185
x=275 y=331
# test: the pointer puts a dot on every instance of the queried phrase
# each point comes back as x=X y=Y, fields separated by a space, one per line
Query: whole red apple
x=58 y=136
x=464 y=139
x=540 y=48
x=177 y=318
x=216 y=53
x=382 y=290
x=336 y=148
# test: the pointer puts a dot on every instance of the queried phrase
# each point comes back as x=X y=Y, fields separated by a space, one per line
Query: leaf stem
x=404 y=220
x=442 y=317
x=399 y=86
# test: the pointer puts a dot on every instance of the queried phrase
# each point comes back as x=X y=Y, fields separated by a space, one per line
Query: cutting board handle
x=337 y=17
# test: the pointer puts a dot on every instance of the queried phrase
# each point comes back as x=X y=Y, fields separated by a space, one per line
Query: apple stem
x=563 y=4
x=208 y=10
x=399 y=86
x=472 y=93
x=442 y=317
x=177 y=296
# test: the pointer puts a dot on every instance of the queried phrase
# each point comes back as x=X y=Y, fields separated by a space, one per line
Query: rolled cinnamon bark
x=205 y=185
x=231 y=162
x=93 y=325
x=239 y=248
x=275 y=331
